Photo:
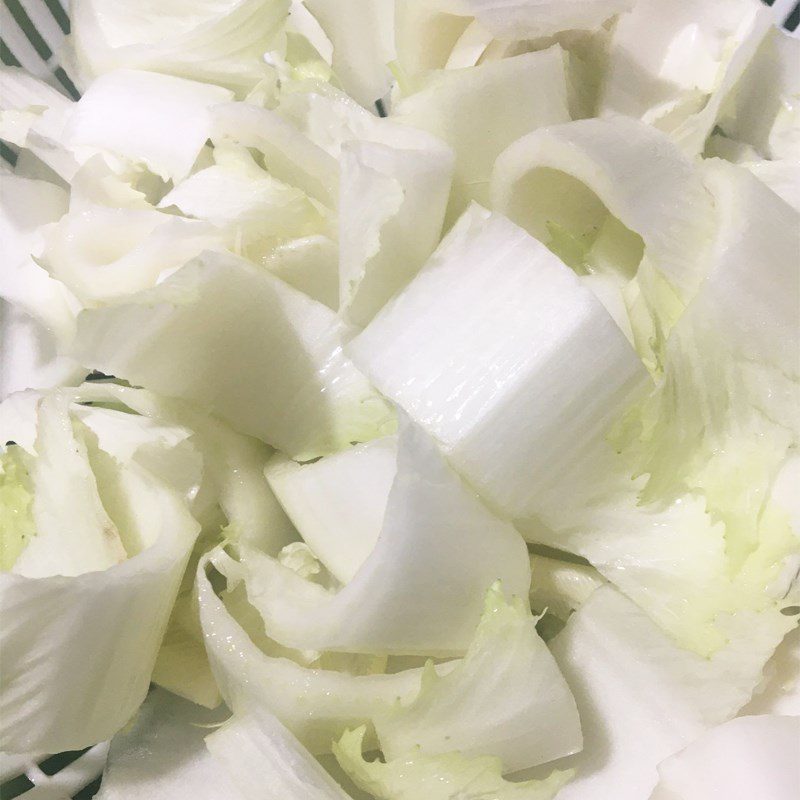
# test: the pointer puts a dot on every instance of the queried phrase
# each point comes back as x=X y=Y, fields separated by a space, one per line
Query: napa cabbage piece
x=159 y=121
x=570 y=187
x=393 y=180
x=614 y=657
x=102 y=254
x=338 y=503
x=214 y=41
x=762 y=111
x=746 y=757
x=316 y=704
x=483 y=383
x=779 y=691
x=362 y=36
x=140 y=767
x=295 y=389
x=38 y=313
x=429 y=34
x=506 y=698
x=479 y=111
x=393 y=187
x=89 y=579
x=726 y=414
x=220 y=474
x=396 y=602
x=445 y=777
x=673 y=66
x=210 y=754
x=261 y=754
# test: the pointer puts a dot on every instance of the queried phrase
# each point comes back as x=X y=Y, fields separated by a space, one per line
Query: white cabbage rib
x=38 y=312
x=744 y=758
x=53 y=699
x=218 y=41
x=362 y=35
x=156 y=120
x=672 y=65
x=338 y=503
x=141 y=767
x=485 y=382
x=262 y=755
x=578 y=177
x=763 y=110
x=280 y=349
x=317 y=705
x=641 y=697
x=479 y=111
x=506 y=698
x=397 y=602
x=429 y=33
x=393 y=187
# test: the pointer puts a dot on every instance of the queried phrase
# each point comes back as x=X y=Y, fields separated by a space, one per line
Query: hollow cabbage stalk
x=110 y=594
x=570 y=187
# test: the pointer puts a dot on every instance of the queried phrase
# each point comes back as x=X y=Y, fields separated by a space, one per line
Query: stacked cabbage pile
x=449 y=451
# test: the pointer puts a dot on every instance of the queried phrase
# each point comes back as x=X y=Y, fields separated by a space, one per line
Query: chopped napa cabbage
x=316 y=704
x=726 y=413
x=397 y=602
x=444 y=777
x=362 y=36
x=672 y=65
x=531 y=19
x=156 y=120
x=294 y=387
x=746 y=757
x=103 y=254
x=338 y=503
x=569 y=187
x=218 y=41
x=141 y=767
x=393 y=187
x=479 y=111
x=262 y=756
x=642 y=697
x=37 y=312
x=763 y=109
x=506 y=698
x=472 y=363
x=86 y=596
